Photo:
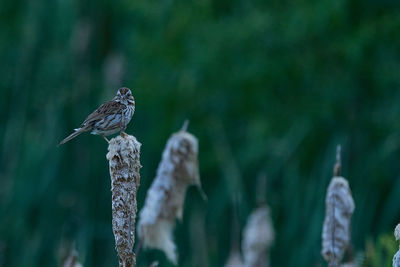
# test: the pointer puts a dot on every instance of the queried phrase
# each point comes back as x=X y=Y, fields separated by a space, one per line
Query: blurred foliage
x=269 y=87
x=381 y=253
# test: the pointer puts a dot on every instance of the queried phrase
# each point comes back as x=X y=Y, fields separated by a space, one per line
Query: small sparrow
x=111 y=117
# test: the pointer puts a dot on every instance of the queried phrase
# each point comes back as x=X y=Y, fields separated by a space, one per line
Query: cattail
x=72 y=260
x=124 y=159
x=68 y=255
x=258 y=236
x=339 y=209
x=396 y=258
x=177 y=170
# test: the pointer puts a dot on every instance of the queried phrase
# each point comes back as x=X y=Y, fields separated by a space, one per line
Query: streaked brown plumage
x=111 y=117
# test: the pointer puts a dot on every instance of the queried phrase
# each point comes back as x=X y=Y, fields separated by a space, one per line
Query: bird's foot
x=105 y=138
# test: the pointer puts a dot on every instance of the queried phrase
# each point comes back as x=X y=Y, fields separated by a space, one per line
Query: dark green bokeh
x=269 y=87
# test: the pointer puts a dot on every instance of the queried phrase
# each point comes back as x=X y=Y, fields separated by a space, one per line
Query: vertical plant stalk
x=396 y=257
x=178 y=169
x=235 y=258
x=339 y=209
x=124 y=160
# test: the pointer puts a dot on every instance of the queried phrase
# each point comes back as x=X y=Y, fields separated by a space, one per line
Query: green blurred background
x=270 y=87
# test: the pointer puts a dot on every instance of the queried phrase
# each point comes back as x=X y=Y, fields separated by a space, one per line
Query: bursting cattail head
x=72 y=260
x=68 y=255
x=177 y=170
x=258 y=236
x=396 y=257
x=339 y=209
x=124 y=161
x=336 y=230
x=397 y=232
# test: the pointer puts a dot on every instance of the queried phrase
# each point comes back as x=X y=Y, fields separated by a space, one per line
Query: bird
x=110 y=118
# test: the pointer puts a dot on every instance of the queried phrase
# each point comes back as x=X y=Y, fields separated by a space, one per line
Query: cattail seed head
x=397 y=232
x=177 y=170
x=336 y=229
x=72 y=260
x=124 y=161
x=258 y=236
x=69 y=255
x=396 y=258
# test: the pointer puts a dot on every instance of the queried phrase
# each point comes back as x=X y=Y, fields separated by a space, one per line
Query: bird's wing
x=110 y=107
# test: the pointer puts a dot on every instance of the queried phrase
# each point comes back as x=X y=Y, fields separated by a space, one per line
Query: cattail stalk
x=396 y=257
x=124 y=160
x=177 y=170
x=339 y=209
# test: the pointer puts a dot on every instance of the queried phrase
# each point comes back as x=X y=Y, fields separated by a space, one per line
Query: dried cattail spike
x=258 y=236
x=72 y=260
x=396 y=258
x=397 y=232
x=199 y=188
x=177 y=170
x=69 y=256
x=124 y=160
x=336 y=229
x=185 y=126
x=337 y=169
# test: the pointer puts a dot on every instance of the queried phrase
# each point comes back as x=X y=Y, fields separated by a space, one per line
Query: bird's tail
x=77 y=132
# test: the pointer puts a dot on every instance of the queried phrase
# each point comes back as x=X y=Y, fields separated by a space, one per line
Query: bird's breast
x=129 y=113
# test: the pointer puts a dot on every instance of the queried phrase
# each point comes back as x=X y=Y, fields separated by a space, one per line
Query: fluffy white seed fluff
x=336 y=229
x=397 y=232
x=258 y=236
x=72 y=259
x=177 y=170
x=396 y=258
x=124 y=161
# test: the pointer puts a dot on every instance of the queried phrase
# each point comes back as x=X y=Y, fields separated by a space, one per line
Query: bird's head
x=124 y=95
